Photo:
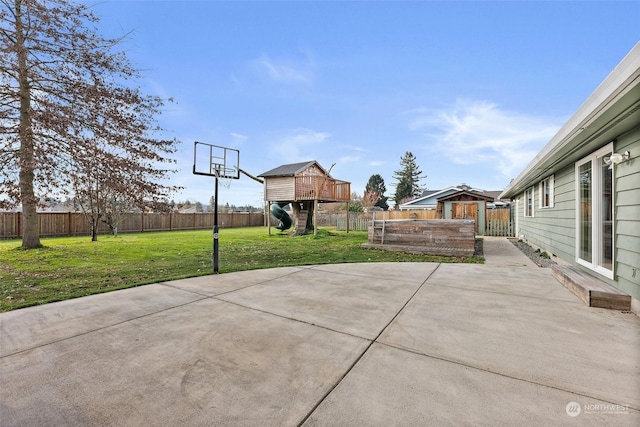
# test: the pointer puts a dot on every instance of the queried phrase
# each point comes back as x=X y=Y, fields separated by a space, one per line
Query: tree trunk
x=94 y=230
x=30 y=228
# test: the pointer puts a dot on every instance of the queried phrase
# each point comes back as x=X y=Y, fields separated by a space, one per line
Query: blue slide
x=282 y=215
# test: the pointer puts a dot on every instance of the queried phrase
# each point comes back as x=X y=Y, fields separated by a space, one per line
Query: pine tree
x=408 y=177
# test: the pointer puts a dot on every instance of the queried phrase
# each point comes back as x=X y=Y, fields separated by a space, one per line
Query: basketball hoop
x=224 y=179
x=223 y=164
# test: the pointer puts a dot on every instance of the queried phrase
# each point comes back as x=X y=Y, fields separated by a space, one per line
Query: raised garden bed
x=451 y=237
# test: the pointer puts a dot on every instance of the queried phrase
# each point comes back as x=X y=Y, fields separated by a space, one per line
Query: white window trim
x=551 y=185
x=526 y=203
x=596 y=224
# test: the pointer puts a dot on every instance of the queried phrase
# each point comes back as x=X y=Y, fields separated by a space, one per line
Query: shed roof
x=473 y=194
x=292 y=169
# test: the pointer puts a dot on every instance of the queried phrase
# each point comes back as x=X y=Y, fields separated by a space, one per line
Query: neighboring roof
x=292 y=169
x=610 y=111
x=495 y=194
x=436 y=195
x=430 y=195
x=476 y=194
x=427 y=193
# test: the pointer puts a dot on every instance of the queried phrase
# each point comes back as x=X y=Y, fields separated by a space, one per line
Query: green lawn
x=69 y=267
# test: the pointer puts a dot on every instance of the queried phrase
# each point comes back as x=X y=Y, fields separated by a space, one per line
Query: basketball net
x=223 y=180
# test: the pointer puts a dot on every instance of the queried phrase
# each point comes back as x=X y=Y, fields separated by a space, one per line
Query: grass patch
x=70 y=267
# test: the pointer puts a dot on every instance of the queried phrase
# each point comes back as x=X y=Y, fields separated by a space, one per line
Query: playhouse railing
x=322 y=188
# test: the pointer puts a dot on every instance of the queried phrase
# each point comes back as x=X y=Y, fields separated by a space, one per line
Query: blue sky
x=473 y=89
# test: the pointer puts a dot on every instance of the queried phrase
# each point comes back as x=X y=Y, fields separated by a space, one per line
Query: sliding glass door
x=594 y=216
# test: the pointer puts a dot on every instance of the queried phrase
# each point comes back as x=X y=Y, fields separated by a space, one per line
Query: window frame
x=546 y=184
x=529 y=202
x=595 y=213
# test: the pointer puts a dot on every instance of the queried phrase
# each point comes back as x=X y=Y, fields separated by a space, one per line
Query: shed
x=465 y=204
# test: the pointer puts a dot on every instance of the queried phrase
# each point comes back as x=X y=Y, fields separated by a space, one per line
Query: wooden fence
x=497 y=221
x=75 y=224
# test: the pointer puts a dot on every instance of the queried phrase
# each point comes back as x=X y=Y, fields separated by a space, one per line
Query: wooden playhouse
x=303 y=185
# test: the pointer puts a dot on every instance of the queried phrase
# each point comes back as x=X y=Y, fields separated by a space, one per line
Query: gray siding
x=627 y=226
x=553 y=229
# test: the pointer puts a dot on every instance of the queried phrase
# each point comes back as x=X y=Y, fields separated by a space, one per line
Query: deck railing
x=322 y=188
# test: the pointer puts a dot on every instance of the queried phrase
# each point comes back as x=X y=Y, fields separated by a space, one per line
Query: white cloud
x=472 y=132
x=286 y=71
x=356 y=148
x=297 y=145
x=238 y=138
x=348 y=159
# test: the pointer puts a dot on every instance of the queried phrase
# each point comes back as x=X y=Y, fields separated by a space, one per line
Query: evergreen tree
x=408 y=176
x=374 y=192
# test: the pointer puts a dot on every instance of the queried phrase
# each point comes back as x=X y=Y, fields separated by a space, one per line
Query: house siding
x=312 y=170
x=554 y=229
x=279 y=188
x=627 y=226
x=609 y=119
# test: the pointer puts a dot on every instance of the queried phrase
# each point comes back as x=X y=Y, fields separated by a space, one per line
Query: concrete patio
x=347 y=344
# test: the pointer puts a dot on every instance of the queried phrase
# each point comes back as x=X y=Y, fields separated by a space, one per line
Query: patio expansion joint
x=258 y=310
x=168 y=284
x=488 y=291
x=101 y=328
x=371 y=342
x=504 y=375
x=318 y=267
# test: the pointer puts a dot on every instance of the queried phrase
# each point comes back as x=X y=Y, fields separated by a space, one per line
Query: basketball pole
x=217 y=167
x=215 y=227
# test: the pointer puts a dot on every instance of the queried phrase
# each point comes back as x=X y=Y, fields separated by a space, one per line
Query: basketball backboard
x=216 y=161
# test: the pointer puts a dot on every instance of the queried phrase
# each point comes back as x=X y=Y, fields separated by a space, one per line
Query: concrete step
x=592 y=291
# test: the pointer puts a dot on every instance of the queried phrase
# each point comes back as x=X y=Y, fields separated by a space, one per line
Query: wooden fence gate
x=498 y=222
x=462 y=210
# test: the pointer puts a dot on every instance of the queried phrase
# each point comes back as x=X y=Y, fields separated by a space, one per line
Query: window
x=528 y=202
x=546 y=192
x=594 y=212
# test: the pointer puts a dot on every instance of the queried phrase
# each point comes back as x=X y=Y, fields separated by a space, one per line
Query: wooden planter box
x=452 y=237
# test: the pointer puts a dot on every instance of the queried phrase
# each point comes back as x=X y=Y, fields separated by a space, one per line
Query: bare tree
x=374 y=193
x=70 y=113
x=114 y=212
x=370 y=198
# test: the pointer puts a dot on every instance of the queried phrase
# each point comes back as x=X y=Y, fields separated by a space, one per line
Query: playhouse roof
x=292 y=169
